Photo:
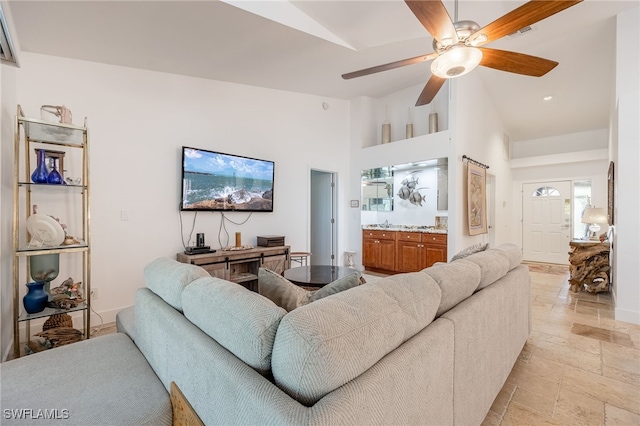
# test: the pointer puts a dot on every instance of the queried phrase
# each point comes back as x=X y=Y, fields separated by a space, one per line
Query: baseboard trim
x=626 y=315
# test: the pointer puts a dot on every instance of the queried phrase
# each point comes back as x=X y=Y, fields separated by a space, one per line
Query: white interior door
x=546 y=221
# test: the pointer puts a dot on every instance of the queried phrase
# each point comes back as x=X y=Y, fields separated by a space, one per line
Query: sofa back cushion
x=167 y=278
x=457 y=280
x=494 y=264
x=514 y=254
x=323 y=345
x=241 y=321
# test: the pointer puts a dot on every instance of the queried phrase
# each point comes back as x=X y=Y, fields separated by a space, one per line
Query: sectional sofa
x=430 y=347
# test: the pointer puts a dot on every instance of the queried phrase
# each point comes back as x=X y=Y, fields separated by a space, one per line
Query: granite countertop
x=406 y=228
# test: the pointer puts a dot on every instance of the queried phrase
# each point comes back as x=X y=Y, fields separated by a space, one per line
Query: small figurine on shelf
x=70 y=240
x=67 y=295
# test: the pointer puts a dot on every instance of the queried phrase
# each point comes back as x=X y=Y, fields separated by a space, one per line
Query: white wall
x=478 y=132
x=626 y=156
x=138 y=121
x=398 y=109
x=7 y=117
x=572 y=142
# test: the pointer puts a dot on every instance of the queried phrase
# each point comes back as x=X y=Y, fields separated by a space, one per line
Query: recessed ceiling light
x=547 y=98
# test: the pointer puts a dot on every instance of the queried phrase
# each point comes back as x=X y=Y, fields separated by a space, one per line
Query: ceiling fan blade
x=430 y=90
x=390 y=66
x=434 y=17
x=514 y=62
x=525 y=15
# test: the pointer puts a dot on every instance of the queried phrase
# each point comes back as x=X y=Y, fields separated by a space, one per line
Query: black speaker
x=199 y=240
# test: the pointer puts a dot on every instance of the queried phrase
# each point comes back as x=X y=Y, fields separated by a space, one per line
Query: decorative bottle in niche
x=41 y=173
x=433 y=122
x=54 y=176
x=386 y=132
x=386 y=128
x=409 y=127
x=36 y=298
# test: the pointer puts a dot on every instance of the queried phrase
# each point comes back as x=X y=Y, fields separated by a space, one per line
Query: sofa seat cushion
x=167 y=278
x=323 y=345
x=457 y=280
x=120 y=388
x=241 y=321
x=289 y=296
x=494 y=264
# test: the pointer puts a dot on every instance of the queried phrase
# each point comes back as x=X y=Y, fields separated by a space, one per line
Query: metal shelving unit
x=30 y=131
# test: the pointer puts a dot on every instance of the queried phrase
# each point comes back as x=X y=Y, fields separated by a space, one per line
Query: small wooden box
x=270 y=241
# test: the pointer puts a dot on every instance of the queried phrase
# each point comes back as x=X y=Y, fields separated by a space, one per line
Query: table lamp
x=593 y=216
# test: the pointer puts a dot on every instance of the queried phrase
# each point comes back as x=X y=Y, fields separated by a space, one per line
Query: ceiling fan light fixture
x=457 y=61
x=476 y=40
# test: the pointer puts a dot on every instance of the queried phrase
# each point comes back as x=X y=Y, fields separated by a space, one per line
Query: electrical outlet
x=94 y=293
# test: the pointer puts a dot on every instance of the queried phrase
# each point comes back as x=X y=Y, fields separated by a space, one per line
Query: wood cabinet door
x=387 y=259
x=275 y=263
x=409 y=256
x=218 y=270
x=434 y=254
x=370 y=252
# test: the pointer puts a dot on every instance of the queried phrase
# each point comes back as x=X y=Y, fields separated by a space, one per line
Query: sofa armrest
x=125 y=322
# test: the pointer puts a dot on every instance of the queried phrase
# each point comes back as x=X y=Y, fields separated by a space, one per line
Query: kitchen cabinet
x=413 y=251
x=379 y=250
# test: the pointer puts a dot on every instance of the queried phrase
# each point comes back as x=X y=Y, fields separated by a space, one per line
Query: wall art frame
x=476 y=199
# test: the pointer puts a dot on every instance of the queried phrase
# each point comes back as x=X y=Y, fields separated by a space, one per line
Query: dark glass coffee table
x=316 y=275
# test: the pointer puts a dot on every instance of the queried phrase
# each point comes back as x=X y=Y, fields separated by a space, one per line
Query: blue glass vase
x=36 y=298
x=54 y=176
x=40 y=174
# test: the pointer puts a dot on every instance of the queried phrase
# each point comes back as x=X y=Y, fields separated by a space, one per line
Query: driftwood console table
x=589 y=266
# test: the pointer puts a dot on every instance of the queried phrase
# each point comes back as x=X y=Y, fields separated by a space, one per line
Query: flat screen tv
x=215 y=181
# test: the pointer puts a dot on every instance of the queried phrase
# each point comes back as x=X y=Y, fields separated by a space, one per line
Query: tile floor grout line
x=555 y=402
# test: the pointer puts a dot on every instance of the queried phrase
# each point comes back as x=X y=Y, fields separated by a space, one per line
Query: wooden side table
x=589 y=266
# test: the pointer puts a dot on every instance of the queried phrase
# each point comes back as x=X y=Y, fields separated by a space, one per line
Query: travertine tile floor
x=579 y=366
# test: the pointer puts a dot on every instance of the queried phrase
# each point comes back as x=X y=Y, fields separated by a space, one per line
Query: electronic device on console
x=198 y=250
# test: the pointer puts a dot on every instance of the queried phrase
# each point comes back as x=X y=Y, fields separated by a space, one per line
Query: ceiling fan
x=457 y=45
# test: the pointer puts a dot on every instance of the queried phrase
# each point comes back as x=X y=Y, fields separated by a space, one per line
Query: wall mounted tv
x=214 y=181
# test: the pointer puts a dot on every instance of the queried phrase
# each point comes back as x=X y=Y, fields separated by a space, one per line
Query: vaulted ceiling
x=305 y=46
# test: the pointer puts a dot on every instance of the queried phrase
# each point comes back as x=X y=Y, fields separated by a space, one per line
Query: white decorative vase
x=433 y=122
x=386 y=132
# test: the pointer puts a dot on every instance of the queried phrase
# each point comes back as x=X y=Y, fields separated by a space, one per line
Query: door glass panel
x=546 y=191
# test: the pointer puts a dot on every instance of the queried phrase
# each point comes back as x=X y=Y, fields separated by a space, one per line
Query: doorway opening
x=546 y=221
x=323 y=208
